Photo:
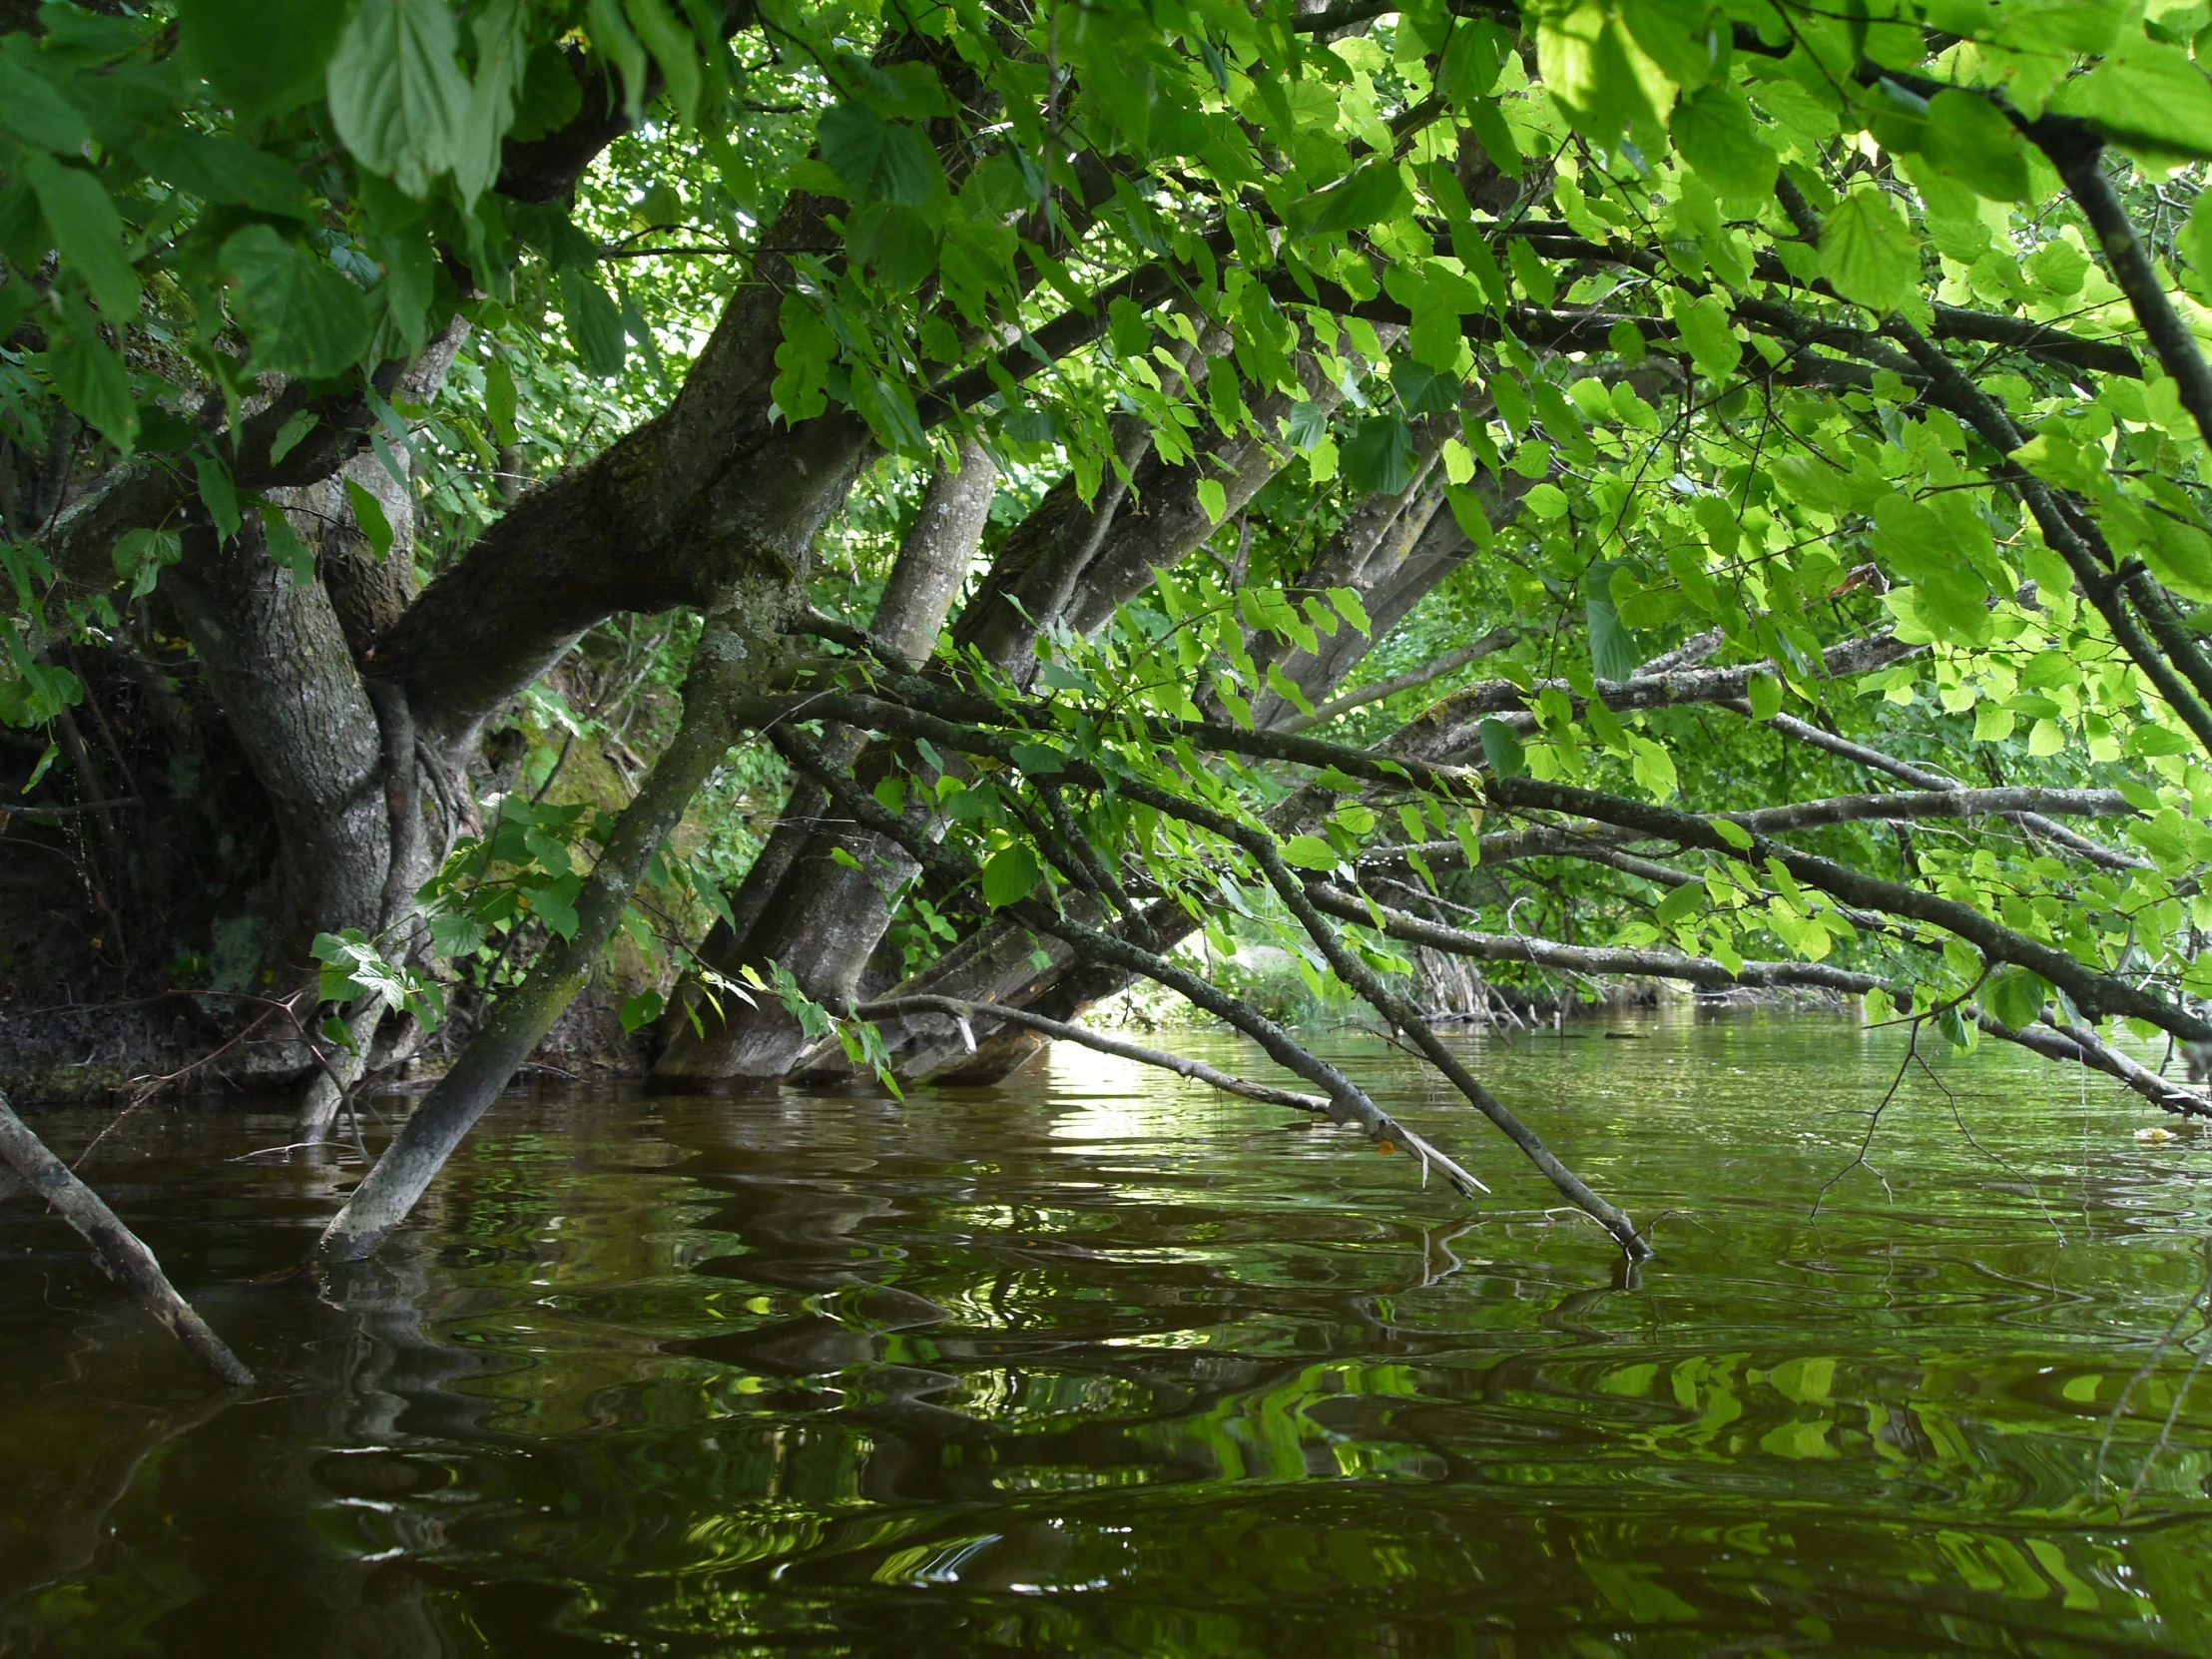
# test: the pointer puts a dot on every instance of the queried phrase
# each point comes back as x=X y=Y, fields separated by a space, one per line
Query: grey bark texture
x=807 y=910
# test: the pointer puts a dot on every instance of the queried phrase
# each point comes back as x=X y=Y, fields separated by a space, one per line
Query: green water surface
x=1101 y=1363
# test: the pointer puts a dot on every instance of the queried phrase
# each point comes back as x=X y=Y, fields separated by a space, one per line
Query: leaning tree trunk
x=731 y=659
x=803 y=906
x=1392 y=553
x=1077 y=561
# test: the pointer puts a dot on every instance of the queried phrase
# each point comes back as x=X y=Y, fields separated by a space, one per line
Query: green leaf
x=1867 y=251
x=1732 y=833
x=1214 y=499
x=1597 y=73
x=1368 y=194
x=1716 y=133
x=2014 y=997
x=673 y=48
x=296 y=427
x=396 y=92
x=500 y=400
x=368 y=513
x=2196 y=238
x=594 y=325
x=2146 y=95
x=1545 y=502
x=1708 y=333
x=1679 y=903
x=1764 y=694
x=284 y=546
x=1038 y=758
x=550 y=98
x=878 y=159
x=35 y=112
x=1009 y=875
x=263 y=56
x=1615 y=652
x=220 y=169
x=640 y=1010
x=1380 y=458
x=142 y=555
x=88 y=232
x=302 y=316
x=217 y=492
x=1970 y=138
x=1310 y=852
x=1307 y=424
x=1486 y=118
x=1502 y=747
x=1351 y=609
x=90 y=376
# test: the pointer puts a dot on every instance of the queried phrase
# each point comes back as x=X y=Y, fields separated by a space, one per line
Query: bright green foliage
x=1647 y=283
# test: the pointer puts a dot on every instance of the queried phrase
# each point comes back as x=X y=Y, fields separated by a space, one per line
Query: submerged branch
x=122 y=1256
x=1196 y=1070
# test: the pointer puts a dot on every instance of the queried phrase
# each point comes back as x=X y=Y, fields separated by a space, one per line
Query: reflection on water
x=1101 y=1363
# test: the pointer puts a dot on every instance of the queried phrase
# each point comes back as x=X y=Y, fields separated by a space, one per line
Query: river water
x=1100 y=1363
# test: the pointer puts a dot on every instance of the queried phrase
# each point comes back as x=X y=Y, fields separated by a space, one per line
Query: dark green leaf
x=1307 y=425
x=2015 y=997
x=1009 y=875
x=90 y=376
x=878 y=159
x=284 y=546
x=1371 y=193
x=1615 y=652
x=1422 y=390
x=594 y=325
x=217 y=492
x=34 y=111
x=88 y=232
x=1380 y=457
x=218 y=168
x=500 y=400
x=550 y=97
x=1503 y=749
x=302 y=316
x=263 y=56
x=1717 y=133
x=673 y=48
x=368 y=513
x=1970 y=138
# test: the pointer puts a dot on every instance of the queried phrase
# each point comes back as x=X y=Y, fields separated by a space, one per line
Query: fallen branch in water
x=1196 y=1070
x=119 y=1251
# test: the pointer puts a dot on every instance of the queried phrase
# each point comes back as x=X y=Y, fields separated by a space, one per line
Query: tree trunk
x=808 y=910
x=729 y=660
x=1392 y=553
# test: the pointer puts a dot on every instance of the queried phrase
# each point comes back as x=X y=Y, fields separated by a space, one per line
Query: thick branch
x=1921 y=778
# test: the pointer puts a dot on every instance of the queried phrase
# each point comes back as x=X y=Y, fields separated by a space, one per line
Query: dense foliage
x=1485 y=481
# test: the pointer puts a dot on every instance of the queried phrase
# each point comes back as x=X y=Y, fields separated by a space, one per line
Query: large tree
x=1406 y=482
